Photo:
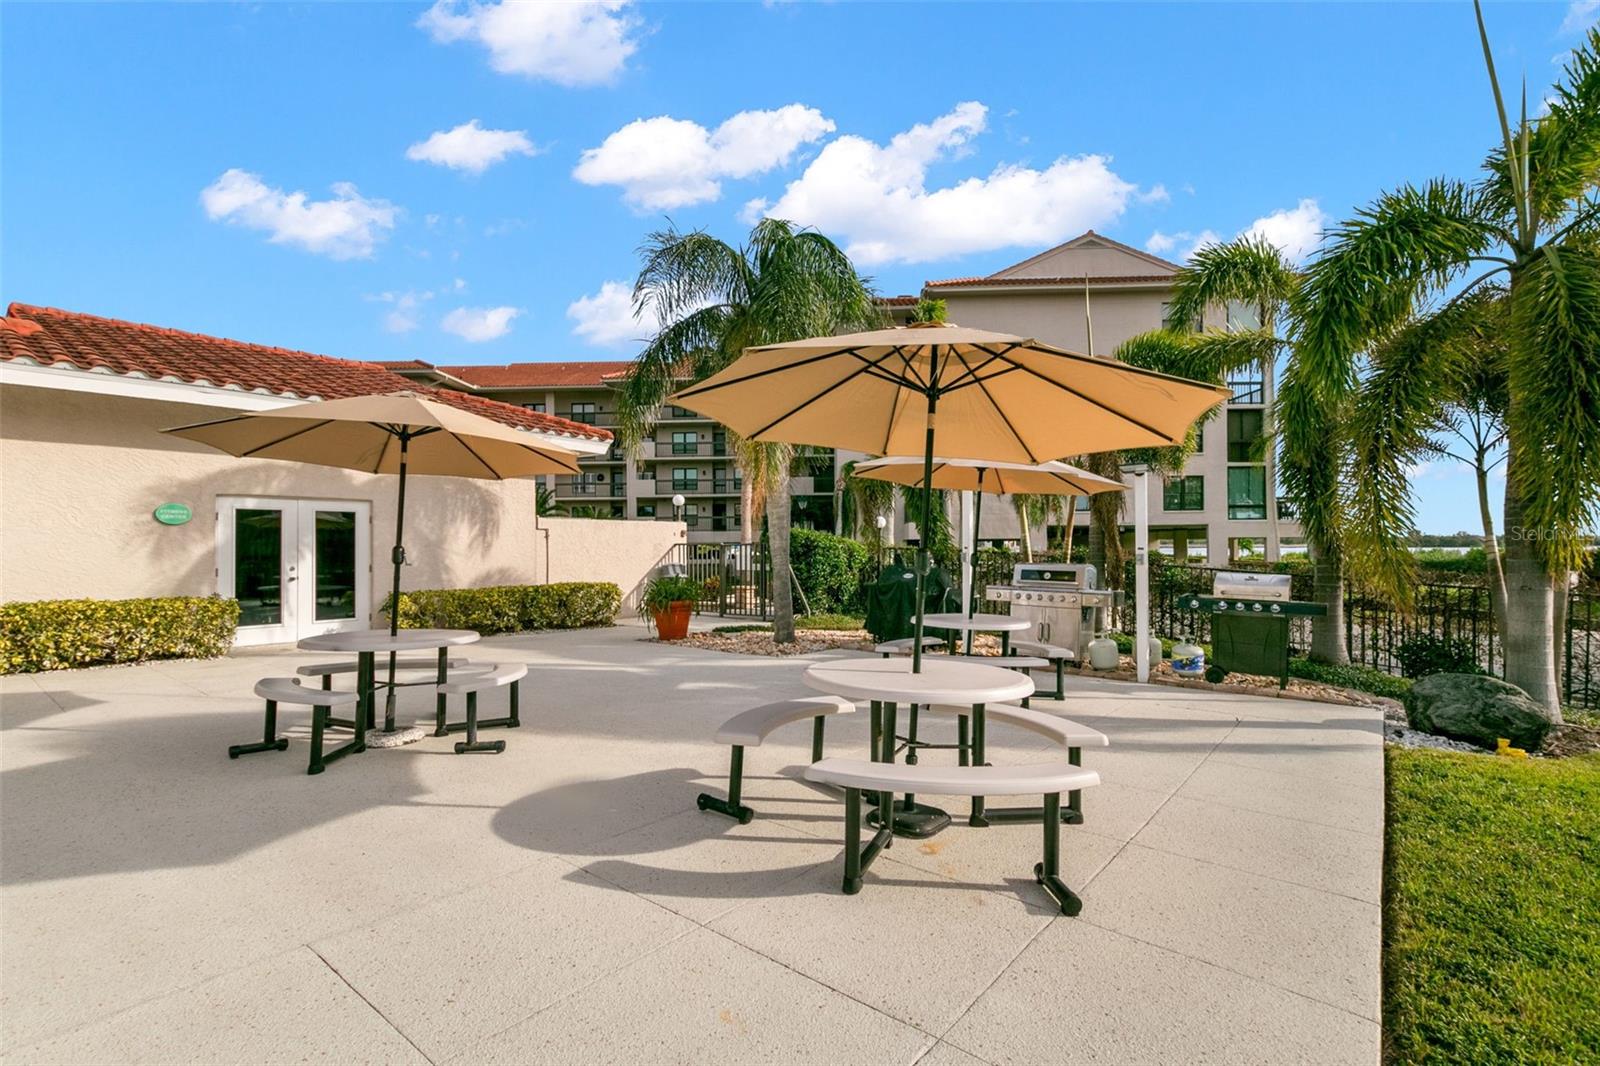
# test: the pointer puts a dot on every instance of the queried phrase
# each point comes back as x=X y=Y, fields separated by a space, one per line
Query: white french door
x=297 y=567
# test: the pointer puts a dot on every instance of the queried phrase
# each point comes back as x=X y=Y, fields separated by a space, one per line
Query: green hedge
x=511 y=608
x=64 y=634
x=831 y=570
x=1351 y=675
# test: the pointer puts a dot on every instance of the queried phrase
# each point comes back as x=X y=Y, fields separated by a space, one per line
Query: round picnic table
x=367 y=643
x=887 y=683
x=1004 y=624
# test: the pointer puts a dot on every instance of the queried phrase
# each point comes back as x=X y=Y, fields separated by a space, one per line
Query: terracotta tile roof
x=1107 y=279
x=48 y=336
x=899 y=301
x=540 y=375
x=402 y=364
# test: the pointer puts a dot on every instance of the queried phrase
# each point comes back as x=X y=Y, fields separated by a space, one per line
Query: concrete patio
x=565 y=901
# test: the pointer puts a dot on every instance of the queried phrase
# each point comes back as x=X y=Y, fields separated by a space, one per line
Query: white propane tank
x=1103 y=654
x=1156 y=652
x=1188 y=659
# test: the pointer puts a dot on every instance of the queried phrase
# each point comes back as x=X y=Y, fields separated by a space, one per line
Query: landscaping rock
x=1479 y=709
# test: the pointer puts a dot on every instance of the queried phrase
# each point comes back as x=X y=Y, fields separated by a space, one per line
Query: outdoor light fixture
x=677 y=506
x=881 y=521
x=1141 y=567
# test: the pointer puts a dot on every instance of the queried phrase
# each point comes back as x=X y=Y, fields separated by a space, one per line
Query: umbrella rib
x=1087 y=399
x=695 y=390
x=1004 y=418
x=474 y=453
x=817 y=396
x=377 y=467
x=280 y=440
x=541 y=453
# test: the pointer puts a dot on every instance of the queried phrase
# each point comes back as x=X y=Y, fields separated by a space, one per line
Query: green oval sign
x=173 y=514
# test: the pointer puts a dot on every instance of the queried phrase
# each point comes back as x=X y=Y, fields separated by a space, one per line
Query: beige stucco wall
x=81 y=473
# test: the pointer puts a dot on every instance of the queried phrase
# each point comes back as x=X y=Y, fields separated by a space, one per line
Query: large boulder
x=1477 y=709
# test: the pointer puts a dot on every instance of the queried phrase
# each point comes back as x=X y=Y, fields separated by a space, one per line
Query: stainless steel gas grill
x=1250 y=616
x=1060 y=598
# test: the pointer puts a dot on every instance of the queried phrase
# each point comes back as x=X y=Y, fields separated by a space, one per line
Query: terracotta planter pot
x=673 y=623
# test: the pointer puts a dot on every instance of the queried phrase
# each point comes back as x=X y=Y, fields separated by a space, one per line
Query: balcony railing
x=674 y=447
x=682 y=414
x=1247 y=392
x=602 y=419
x=699 y=487
x=584 y=490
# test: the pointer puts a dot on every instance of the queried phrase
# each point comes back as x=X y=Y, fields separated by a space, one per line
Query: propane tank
x=1103 y=653
x=1188 y=659
x=1156 y=652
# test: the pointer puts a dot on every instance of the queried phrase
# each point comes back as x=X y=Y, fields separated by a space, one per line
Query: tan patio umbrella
x=396 y=433
x=983 y=395
x=981 y=476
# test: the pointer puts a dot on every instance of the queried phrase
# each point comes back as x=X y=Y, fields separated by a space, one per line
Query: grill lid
x=1251 y=586
x=1054 y=575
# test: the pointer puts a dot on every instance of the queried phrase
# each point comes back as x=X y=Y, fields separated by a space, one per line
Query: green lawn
x=1492 y=909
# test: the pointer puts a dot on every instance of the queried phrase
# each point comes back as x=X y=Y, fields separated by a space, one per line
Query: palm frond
x=1376 y=267
x=685 y=350
x=1249 y=270
x=1555 y=390
x=683 y=272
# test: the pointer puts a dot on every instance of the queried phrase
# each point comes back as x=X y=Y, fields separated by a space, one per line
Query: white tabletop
x=941 y=681
x=978 y=623
x=360 y=640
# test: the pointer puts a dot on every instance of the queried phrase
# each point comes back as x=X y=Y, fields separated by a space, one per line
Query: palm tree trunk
x=1020 y=504
x=1529 y=637
x=1327 y=633
x=747 y=508
x=782 y=577
x=1491 y=549
x=1072 y=523
x=1558 y=610
x=1269 y=397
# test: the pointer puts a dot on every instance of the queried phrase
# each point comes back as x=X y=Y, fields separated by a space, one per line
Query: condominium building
x=1087 y=295
x=686 y=456
x=1091 y=294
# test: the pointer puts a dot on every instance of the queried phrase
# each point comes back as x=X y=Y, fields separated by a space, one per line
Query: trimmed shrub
x=829 y=621
x=1361 y=678
x=512 y=608
x=64 y=634
x=1427 y=654
x=831 y=570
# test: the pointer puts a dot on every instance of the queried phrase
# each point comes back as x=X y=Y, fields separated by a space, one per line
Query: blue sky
x=466 y=183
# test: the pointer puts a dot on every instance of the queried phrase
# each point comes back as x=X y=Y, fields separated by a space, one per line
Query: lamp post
x=677 y=507
x=1141 y=568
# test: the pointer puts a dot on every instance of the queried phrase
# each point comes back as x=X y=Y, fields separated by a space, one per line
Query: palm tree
x=714 y=300
x=1253 y=272
x=1033 y=509
x=1535 y=218
x=862 y=500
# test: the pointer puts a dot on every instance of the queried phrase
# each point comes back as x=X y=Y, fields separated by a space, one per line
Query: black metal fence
x=735 y=579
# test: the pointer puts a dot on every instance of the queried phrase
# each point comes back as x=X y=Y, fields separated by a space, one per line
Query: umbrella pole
x=927 y=509
x=977 y=526
x=399 y=558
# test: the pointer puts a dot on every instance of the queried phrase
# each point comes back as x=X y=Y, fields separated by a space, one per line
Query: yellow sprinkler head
x=1503 y=747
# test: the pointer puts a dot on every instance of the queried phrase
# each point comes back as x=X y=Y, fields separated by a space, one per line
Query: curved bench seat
x=491 y=676
x=1046 y=779
x=748 y=729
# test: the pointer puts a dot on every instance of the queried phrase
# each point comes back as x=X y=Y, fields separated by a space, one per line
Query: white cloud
x=477 y=324
x=566 y=43
x=664 y=162
x=1580 y=13
x=1157 y=194
x=470 y=147
x=876 y=198
x=605 y=318
x=503 y=227
x=404 y=314
x=349 y=226
x=1297 y=231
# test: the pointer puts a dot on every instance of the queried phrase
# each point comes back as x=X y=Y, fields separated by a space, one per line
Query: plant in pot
x=667 y=601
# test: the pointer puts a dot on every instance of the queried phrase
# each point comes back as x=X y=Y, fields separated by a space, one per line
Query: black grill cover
x=892 y=599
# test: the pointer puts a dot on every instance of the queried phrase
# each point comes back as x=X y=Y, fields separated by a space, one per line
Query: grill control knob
x=1238 y=607
x=1222 y=605
x=1276 y=609
x=1256 y=607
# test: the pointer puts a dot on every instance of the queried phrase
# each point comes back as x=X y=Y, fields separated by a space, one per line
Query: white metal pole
x=1141 y=575
x=969 y=542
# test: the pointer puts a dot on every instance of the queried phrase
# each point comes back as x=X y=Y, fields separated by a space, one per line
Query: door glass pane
x=336 y=565
x=258 y=566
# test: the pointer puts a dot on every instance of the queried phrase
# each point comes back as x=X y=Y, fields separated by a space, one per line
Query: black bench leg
x=911 y=742
x=731 y=806
x=857 y=858
x=472 y=744
x=962 y=744
x=817 y=724
x=1048 y=872
x=516 y=710
x=979 y=742
x=319 y=725
x=327 y=682
x=1073 y=814
x=270 y=741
